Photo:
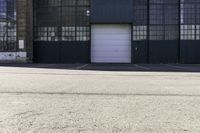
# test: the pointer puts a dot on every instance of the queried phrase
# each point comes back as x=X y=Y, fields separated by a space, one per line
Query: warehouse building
x=100 y=31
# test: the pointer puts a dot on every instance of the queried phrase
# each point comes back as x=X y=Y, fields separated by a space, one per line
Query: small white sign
x=21 y=44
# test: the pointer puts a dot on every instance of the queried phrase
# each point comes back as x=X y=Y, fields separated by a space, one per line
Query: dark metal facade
x=166 y=31
x=163 y=31
x=62 y=28
x=111 y=11
x=190 y=31
x=61 y=20
x=140 y=28
x=8 y=35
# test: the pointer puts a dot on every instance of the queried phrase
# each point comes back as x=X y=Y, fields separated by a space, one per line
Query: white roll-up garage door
x=111 y=43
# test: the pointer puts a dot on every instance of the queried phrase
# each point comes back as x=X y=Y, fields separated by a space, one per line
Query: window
x=62 y=20
x=163 y=19
x=8 y=36
x=190 y=20
x=140 y=17
x=69 y=33
x=188 y=32
x=139 y=33
x=3 y=9
x=158 y=19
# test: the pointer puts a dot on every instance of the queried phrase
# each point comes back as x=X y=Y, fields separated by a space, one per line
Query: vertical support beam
x=164 y=22
x=21 y=22
x=6 y=32
x=148 y=30
x=29 y=30
x=132 y=44
x=25 y=28
x=179 y=39
x=90 y=30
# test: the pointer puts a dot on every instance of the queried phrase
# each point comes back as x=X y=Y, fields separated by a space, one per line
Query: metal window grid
x=61 y=20
x=166 y=20
x=8 y=34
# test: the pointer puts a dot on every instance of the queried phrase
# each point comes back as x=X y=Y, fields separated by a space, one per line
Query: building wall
x=21 y=50
x=24 y=29
x=163 y=32
x=61 y=31
x=111 y=11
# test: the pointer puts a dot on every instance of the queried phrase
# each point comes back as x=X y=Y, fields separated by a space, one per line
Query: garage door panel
x=111 y=60
x=112 y=28
x=112 y=38
x=99 y=58
x=116 y=49
x=120 y=54
x=111 y=31
x=111 y=44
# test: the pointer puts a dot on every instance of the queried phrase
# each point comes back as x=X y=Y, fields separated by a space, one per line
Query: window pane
x=190 y=20
x=140 y=20
x=62 y=19
x=8 y=41
x=164 y=20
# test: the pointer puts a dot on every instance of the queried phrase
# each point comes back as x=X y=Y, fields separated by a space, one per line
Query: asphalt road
x=99 y=98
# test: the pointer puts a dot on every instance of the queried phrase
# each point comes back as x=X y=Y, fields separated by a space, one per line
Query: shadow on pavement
x=115 y=67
